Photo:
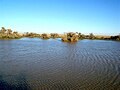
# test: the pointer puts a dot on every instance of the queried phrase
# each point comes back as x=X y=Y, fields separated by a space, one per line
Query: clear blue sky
x=85 y=16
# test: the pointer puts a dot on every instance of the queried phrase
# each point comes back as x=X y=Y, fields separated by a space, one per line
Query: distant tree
x=70 y=37
x=91 y=36
x=15 y=32
x=114 y=37
x=3 y=30
x=80 y=36
x=3 y=27
x=9 y=31
x=26 y=34
x=16 y=35
x=7 y=34
x=119 y=36
x=45 y=36
x=54 y=35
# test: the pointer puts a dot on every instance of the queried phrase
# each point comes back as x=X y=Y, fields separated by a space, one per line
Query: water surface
x=36 y=64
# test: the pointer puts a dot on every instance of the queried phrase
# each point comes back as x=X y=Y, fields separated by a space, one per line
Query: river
x=36 y=64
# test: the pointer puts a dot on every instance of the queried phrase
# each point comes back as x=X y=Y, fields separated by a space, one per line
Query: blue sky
x=85 y=16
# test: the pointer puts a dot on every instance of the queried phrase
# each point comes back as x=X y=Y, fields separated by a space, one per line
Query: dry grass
x=102 y=36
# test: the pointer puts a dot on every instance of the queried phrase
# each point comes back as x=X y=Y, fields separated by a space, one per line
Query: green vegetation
x=80 y=36
x=31 y=35
x=70 y=37
x=66 y=37
x=116 y=37
x=8 y=34
x=45 y=36
x=91 y=36
x=55 y=35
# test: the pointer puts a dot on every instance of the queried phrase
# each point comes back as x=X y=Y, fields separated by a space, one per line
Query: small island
x=66 y=37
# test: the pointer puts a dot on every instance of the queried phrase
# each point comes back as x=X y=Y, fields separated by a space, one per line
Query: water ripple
x=36 y=64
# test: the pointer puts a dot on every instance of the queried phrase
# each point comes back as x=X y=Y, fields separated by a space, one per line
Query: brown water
x=35 y=64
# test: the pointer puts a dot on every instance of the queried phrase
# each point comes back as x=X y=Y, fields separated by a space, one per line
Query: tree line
x=9 y=34
x=66 y=37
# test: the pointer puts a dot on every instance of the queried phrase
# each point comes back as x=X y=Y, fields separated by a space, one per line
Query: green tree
x=91 y=36
x=3 y=30
x=9 y=31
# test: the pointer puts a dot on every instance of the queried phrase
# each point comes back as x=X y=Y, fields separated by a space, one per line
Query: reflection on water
x=35 y=64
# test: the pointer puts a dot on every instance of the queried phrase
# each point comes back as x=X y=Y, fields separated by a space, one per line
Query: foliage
x=8 y=34
x=54 y=35
x=67 y=37
x=45 y=36
x=91 y=36
x=70 y=37
x=31 y=35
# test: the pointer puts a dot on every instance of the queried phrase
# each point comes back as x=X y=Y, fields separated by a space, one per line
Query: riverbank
x=6 y=34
